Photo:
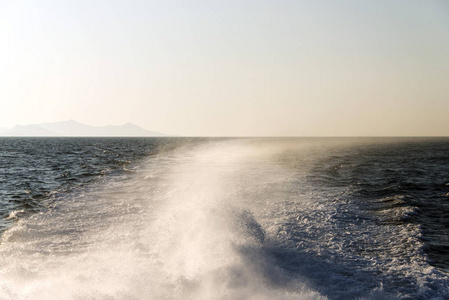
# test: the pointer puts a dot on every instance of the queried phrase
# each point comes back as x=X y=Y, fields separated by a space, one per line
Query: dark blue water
x=31 y=169
x=180 y=218
x=395 y=176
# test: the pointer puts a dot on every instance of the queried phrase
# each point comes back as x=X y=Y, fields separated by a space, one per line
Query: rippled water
x=177 y=218
x=34 y=169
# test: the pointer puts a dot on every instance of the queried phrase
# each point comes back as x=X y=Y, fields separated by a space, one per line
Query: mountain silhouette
x=73 y=128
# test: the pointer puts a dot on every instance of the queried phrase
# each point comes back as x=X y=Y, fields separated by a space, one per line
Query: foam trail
x=179 y=227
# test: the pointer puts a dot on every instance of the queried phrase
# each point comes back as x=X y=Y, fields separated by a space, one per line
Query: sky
x=229 y=68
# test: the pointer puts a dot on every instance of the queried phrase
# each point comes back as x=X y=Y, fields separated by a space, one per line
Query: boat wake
x=227 y=219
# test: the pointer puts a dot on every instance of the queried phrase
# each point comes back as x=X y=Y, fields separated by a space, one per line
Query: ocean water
x=248 y=218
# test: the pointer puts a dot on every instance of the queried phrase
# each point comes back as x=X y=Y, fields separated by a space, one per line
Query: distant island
x=73 y=128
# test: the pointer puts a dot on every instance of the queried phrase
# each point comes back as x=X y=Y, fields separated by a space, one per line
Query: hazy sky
x=231 y=68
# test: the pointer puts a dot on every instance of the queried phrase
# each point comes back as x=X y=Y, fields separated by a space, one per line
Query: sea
x=224 y=218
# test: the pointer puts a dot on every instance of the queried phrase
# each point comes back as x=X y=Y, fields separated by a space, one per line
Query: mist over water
x=222 y=219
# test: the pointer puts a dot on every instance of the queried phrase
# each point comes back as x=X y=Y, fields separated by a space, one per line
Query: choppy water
x=176 y=218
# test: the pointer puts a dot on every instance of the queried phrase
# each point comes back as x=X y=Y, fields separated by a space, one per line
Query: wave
x=169 y=230
x=219 y=220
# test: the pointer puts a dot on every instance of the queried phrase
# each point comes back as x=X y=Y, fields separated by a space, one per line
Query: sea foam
x=175 y=228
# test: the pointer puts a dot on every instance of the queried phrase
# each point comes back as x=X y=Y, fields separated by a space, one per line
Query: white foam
x=173 y=230
x=15 y=214
x=225 y=220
